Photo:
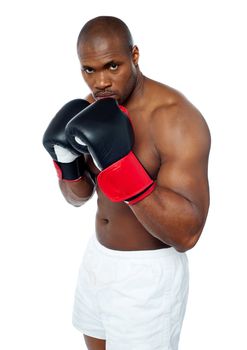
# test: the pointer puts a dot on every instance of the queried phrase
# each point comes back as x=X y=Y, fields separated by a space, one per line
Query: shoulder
x=177 y=124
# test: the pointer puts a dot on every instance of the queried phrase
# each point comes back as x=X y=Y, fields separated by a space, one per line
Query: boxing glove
x=104 y=128
x=69 y=163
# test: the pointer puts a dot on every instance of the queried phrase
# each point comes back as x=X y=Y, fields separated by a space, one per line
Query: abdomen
x=118 y=228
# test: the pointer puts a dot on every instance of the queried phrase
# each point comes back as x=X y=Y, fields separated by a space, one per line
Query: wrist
x=126 y=180
x=142 y=195
x=72 y=171
x=77 y=192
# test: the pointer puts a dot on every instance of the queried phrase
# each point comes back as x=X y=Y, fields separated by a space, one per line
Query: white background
x=198 y=47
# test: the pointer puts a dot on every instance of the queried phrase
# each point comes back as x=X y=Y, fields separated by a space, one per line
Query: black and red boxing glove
x=69 y=163
x=105 y=130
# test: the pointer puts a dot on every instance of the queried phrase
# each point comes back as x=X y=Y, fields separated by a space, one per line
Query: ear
x=135 y=55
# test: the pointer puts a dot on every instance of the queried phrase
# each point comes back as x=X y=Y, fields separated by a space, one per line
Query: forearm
x=171 y=218
x=79 y=192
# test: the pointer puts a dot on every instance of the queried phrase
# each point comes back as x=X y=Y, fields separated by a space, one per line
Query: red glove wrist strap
x=125 y=179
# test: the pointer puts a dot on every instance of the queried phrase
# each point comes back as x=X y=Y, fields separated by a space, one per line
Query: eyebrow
x=106 y=65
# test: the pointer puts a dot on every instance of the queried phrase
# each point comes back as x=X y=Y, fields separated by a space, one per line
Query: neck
x=138 y=89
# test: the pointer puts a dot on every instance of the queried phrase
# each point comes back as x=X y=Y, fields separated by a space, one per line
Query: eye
x=113 y=66
x=88 y=70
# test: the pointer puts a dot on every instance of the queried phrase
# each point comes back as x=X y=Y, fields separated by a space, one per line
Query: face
x=108 y=68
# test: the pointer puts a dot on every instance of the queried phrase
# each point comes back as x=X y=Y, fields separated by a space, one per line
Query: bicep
x=187 y=178
x=184 y=149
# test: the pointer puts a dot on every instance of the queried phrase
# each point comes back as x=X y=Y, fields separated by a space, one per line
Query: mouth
x=102 y=95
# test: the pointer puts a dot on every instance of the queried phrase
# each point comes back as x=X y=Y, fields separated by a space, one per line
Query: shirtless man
x=133 y=282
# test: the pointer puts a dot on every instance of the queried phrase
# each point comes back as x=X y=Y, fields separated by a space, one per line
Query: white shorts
x=135 y=300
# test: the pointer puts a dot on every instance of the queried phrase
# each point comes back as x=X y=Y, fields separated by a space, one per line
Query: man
x=133 y=282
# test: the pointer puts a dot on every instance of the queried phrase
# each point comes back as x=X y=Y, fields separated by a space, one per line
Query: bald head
x=106 y=27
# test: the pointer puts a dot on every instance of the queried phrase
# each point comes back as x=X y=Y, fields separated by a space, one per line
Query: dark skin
x=172 y=141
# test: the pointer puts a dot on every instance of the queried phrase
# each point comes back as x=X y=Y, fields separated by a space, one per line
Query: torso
x=116 y=226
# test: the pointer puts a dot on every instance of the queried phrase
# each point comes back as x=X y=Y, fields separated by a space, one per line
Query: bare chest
x=144 y=145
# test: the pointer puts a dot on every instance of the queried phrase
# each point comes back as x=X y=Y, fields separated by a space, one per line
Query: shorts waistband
x=154 y=253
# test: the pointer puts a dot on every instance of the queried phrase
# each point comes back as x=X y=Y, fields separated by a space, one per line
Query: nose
x=102 y=81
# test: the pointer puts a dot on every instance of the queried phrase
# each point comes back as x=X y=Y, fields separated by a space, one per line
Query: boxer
x=143 y=148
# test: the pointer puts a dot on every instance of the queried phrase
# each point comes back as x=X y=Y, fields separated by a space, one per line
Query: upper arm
x=182 y=140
